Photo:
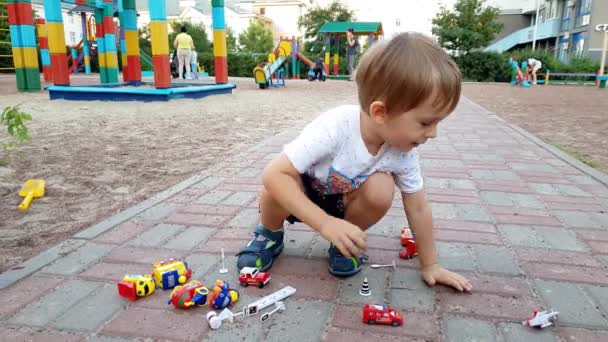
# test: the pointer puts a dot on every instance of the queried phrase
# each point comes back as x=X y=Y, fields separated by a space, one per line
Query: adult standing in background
x=184 y=45
x=352 y=48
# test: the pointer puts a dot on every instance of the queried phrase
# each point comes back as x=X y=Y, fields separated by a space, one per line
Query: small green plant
x=14 y=120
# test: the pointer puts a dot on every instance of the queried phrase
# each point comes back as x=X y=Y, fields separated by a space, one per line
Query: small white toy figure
x=541 y=319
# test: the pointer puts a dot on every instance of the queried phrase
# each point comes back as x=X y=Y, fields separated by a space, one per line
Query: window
x=566 y=18
x=578 y=43
x=563 y=49
x=262 y=10
x=583 y=15
x=398 y=22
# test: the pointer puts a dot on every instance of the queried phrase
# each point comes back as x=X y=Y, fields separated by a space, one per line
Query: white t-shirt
x=330 y=150
x=534 y=63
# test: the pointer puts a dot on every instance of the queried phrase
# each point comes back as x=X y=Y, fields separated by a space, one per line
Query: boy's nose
x=432 y=133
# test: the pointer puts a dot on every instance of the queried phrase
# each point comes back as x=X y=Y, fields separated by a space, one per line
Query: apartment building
x=568 y=28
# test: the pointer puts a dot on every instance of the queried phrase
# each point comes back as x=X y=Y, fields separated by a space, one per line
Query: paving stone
x=511 y=199
x=142 y=255
x=29 y=290
x=297 y=242
x=190 y=238
x=247 y=218
x=347 y=335
x=124 y=232
x=93 y=338
x=158 y=324
x=448 y=183
x=79 y=259
x=214 y=197
x=455 y=256
x=239 y=198
x=582 y=335
x=389 y=226
x=296 y=321
x=472 y=212
x=93 y=312
x=55 y=303
x=487 y=305
x=201 y=264
x=471 y=330
x=558 y=189
x=578 y=219
x=409 y=292
x=208 y=183
x=495 y=175
x=376 y=278
x=573 y=306
x=202 y=220
x=157 y=236
x=495 y=259
x=11 y=276
x=158 y=212
x=113 y=272
x=522 y=236
x=599 y=295
x=560 y=238
x=14 y=334
x=518 y=333
x=319 y=248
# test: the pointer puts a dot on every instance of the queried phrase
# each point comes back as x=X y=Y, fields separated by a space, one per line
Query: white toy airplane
x=541 y=319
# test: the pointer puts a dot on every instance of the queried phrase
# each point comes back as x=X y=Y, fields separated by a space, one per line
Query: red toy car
x=253 y=276
x=407 y=241
x=382 y=314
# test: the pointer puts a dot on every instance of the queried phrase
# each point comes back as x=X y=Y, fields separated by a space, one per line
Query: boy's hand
x=434 y=274
x=348 y=238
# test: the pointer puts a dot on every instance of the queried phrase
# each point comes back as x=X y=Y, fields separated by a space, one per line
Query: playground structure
x=519 y=76
x=54 y=58
x=335 y=30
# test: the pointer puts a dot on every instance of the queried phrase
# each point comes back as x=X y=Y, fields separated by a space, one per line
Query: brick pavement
x=529 y=229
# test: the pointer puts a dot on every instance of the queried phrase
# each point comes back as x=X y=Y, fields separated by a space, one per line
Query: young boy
x=533 y=66
x=318 y=69
x=339 y=175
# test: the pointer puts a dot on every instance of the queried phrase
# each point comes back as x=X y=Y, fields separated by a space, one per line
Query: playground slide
x=263 y=72
x=305 y=60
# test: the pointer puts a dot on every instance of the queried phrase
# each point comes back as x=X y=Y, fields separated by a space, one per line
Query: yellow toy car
x=133 y=286
x=170 y=273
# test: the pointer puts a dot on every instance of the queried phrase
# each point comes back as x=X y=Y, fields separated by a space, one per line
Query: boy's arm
x=420 y=217
x=281 y=180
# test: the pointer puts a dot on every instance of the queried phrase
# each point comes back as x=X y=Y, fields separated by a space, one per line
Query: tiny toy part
x=222 y=295
x=265 y=302
x=365 y=291
x=279 y=307
x=214 y=321
x=393 y=265
x=541 y=319
x=223 y=270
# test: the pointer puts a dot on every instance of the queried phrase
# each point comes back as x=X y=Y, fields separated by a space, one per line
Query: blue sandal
x=341 y=266
x=261 y=250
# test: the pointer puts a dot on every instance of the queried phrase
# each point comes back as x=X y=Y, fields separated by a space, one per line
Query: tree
x=469 y=26
x=197 y=32
x=312 y=21
x=256 y=38
x=231 y=44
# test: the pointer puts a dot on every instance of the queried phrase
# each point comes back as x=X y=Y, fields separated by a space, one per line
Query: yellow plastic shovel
x=33 y=188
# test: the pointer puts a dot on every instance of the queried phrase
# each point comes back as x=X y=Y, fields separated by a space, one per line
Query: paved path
x=528 y=228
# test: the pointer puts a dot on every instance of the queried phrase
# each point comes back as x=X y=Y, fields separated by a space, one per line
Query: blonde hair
x=405 y=72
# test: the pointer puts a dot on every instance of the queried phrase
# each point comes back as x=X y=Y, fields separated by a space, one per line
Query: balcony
x=548 y=29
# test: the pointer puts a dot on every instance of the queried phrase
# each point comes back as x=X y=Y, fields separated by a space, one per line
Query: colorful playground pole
x=123 y=44
x=129 y=23
x=160 y=43
x=110 y=41
x=56 y=36
x=327 y=52
x=293 y=59
x=45 y=57
x=219 y=41
x=85 y=44
x=298 y=49
x=337 y=54
x=23 y=41
x=101 y=46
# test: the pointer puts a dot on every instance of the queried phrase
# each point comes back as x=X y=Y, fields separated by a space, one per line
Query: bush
x=484 y=66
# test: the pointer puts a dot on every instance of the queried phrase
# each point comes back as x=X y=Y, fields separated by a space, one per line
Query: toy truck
x=382 y=314
x=133 y=286
x=253 y=276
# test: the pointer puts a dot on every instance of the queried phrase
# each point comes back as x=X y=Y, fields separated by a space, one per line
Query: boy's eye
x=426 y=124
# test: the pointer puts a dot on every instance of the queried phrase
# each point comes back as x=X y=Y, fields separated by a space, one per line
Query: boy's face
x=408 y=130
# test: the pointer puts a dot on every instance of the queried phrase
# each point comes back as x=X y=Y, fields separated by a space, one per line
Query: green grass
x=3 y=162
x=585 y=158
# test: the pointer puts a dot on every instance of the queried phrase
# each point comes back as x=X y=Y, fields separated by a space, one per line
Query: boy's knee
x=379 y=192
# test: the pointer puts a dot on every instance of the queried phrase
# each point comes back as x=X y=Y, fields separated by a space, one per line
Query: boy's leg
x=364 y=207
x=267 y=242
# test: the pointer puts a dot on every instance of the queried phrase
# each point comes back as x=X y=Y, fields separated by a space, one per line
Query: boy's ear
x=377 y=111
